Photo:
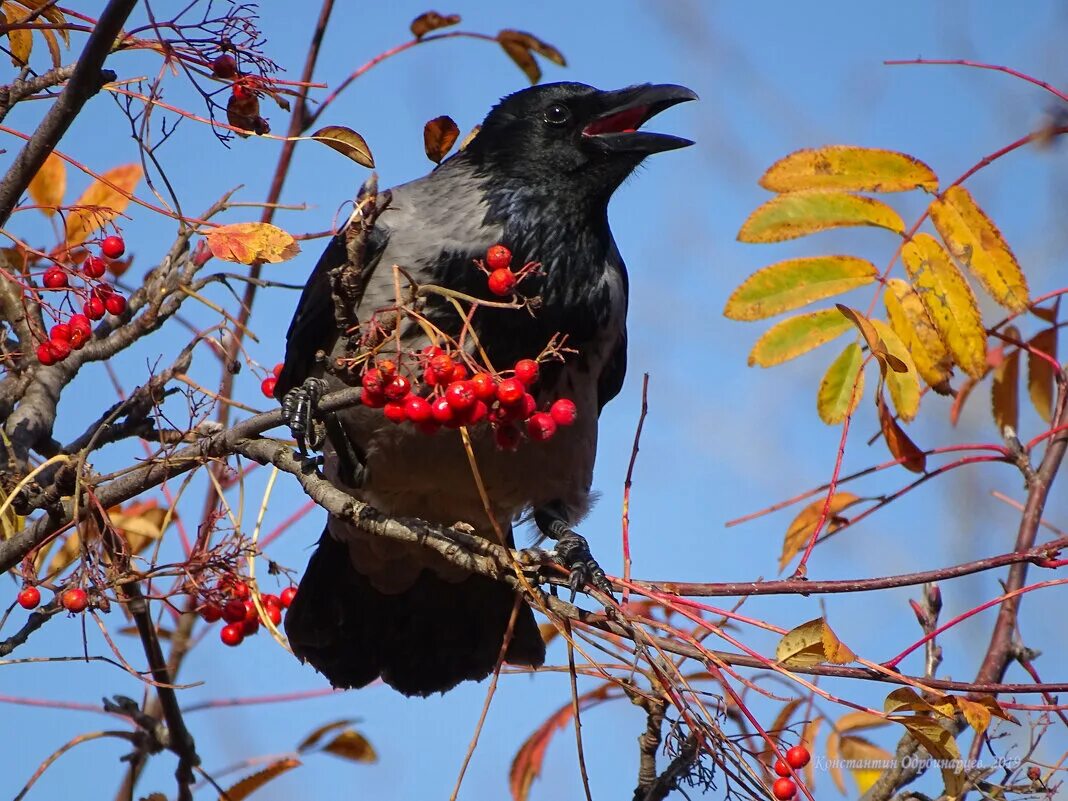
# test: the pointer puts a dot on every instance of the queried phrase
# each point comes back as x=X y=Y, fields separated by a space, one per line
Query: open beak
x=626 y=110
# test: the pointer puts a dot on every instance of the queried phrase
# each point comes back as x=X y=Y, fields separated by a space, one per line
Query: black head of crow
x=537 y=178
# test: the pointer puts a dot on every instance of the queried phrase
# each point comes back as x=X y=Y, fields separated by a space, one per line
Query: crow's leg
x=300 y=411
x=572 y=551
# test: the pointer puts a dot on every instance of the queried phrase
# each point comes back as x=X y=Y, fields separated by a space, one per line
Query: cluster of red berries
x=235 y=606
x=785 y=788
x=268 y=384
x=75 y=332
x=74 y=599
x=498 y=267
x=459 y=399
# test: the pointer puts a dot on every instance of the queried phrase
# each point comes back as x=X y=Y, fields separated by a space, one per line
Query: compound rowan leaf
x=904 y=385
x=899 y=443
x=246 y=243
x=801 y=527
x=439 y=135
x=250 y=784
x=812 y=643
x=794 y=336
x=797 y=214
x=102 y=202
x=911 y=322
x=794 y=283
x=976 y=242
x=1040 y=373
x=431 y=21
x=949 y=301
x=864 y=757
x=49 y=185
x=848 y=168
x=871 y=336
x=842 y=386
x=346 y=142
x=1005 y=388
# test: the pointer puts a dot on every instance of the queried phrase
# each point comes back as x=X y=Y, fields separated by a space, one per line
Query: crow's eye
x=557 y=114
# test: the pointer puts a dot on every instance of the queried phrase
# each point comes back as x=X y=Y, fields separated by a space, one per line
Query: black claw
x=573 y=552
x=299 y=408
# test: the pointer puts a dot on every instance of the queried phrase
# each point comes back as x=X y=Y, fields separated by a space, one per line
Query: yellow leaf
x=913 y=325
x=21 y=39
x=312 y=740
x=904 y=385
x=976 y=242
x=940 y=744
x=346 y=142
x=834 y=761
x=855 y=169
x=872 y=338
x=899 y=443
x=1005 y=391
x=798 y=214
x=868 y=761
x=102 y=202
x=949 y=301
x=976 y=715
x=439 y=135
x=812 y=643
x=906 y=699
x=797 y=282
x=10 y=523
x=250 y=784
x=800 y=530
x=1040 y=373
x=842 y=386
x=49 y=185
x=856 y=721
x=797 y=335
x=353 y=746
x=246 y=243
x=141 y=523
x=431 y=21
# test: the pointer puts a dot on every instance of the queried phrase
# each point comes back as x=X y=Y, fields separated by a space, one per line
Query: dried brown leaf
x=439 y=135
x=432 y=21
x=346 y=142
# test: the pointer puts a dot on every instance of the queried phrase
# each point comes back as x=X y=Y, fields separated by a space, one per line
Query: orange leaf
x=431 y=21
x=49 y=185
x=250 y=784
x=802 y=526
x=1005 y=388
x=102 y=202
x=1040 y=373
x=439 y=135
x=247 y=243
x=901 y=447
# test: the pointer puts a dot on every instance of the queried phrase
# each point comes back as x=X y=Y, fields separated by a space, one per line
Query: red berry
x=103 y=290
x=372 y=381
x=564 y=412
x=250 y=626
x=376 y=400
x=29 y=597
x=507 y=437
x=46 y=354
x=233 y=611
x=387 y=367
x=287 y=596
x=541 y=426
x=267 y=386
x=224 y=66
x=276 y=371
x=397 y=389
x=526 y=370
x=79 y=322
x=417 y=409
x=441 y=366
x=274 y=613
x=232 y=634
x=510 y=391
x=250 y=611
x=441 y=410
x=797 y=757
x=211 y=612
x=115 y=304
x=460 y=395
x=784 y=789
x=501 y=282
x=74 y=600
x=782 y=769
x=498 y=257
x=113 y=246
x=94 y=267
x=78 y=338
x=475 y=413
x=270 y=599
x=60 y=331
x=55 y=278
x=94 y=308
x=484 y=385
x=60 y=349
x=395 y=411
x=527 y=407
x=459 y=372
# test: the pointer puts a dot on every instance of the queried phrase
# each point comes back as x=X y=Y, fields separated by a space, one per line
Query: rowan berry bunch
x=72 y=330
x=73 y=599
x=785 y=788
x=231 y=601
x=497 y=266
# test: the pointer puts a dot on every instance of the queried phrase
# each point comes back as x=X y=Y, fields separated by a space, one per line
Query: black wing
x=313 y=327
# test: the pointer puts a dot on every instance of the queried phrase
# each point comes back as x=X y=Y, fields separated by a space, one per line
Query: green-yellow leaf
x=802 y=527
x=798 y=214
x=1040 y=373
x=949 y=301
x=797 y=335
x=976 y=242
x=797 y=282
x=842 y=386
x=812 y=643
x=864 y=754
x=250 y=784
x=855 y=169
x=913 y=325
x=904 y=386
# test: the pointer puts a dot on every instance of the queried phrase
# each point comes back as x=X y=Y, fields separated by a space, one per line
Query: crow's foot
x=300 y=407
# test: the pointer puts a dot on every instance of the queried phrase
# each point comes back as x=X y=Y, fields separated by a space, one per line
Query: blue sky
x=722 y=439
